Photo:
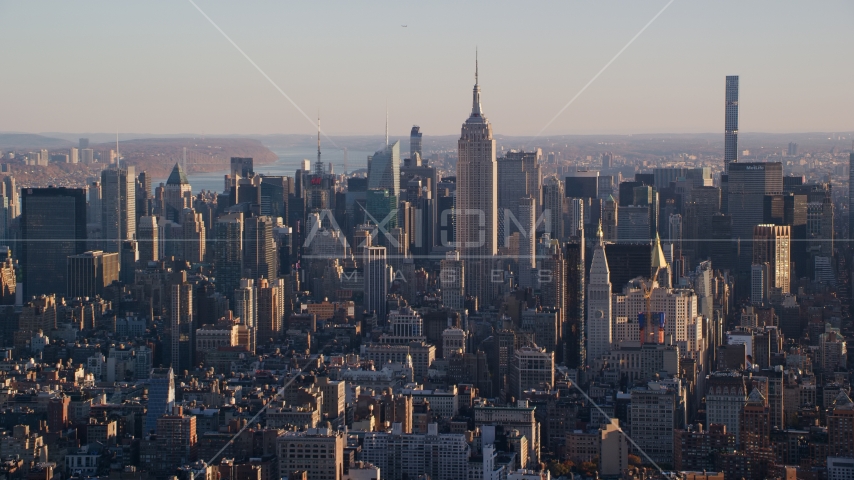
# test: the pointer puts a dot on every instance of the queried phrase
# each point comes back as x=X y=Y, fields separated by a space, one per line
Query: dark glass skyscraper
x=731 y=122
x=575 y=334
x=228 y=262
x=53 y=228
x=259 y=248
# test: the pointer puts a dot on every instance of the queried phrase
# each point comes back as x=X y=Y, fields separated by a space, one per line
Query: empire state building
x=477 y=202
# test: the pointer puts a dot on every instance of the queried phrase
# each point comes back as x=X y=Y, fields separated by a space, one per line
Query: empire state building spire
x=476 y=110
x=477 y=200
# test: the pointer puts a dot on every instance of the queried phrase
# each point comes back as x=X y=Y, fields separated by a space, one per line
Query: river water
x=290 y=160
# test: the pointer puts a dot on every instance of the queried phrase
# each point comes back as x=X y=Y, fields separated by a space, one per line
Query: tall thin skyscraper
x=599 y=322
x=553 y=200
x=384 y=170
x=193 y=238
x=246 y=307
x=415 y=144
x=477 y=201
x=376 y=281
x=118 y=206
x=731 y=122
x=183 y=328
x=259 y=248
x=147 y=237
x=527 y=260
x=451 y=279
x=772 y=245
x=53 y=228
x=575 y=331
x=851 y=196
x=228 y=264
x=270 y=309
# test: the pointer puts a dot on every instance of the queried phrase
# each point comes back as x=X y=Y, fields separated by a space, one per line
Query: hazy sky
x=160 y=67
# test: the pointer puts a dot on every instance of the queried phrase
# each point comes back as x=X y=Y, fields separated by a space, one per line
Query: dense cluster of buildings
x=492 y=322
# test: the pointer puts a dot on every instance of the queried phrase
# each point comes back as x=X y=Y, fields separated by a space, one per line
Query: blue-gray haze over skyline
x=161 y=67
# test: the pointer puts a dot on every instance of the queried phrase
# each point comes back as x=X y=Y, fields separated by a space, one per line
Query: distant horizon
x=392 y=135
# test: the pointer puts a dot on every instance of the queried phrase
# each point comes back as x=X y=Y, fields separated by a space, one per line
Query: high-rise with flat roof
x=574 y=285
x=90 y=273
x=772 y=246
x=749 y=183
x=317 y=451
x=118 y=206
x=731 y=122
x=519 y=177
x=851 y=195
x=228 y=263
x=147 y=237
x=376 y=280
x=259 y=248
x=53 y=228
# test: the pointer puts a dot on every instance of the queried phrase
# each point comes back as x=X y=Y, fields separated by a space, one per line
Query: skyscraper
x=90 y=272
x=228 y=264
x=748 y=185
x=53 y=228
x=599 y=303
x=731 y=122
x=93 y=214
x=270 y=296
x=193 y=238
x=575 y=330
x=526 y=259
x=147 y=237
x=128 y=258
x=772 y=245
x=259 y=248
x=851 y=195
x=161 y=396
x=178 y=193
x=415 y=144
x=246 y=307
x=609 y=219
x=553 y=198
x=118 y=206
x=451 y=279
x=376 y=281
x=519 y=176
x=477 y=201
x=183 y=327
x=384 y=169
